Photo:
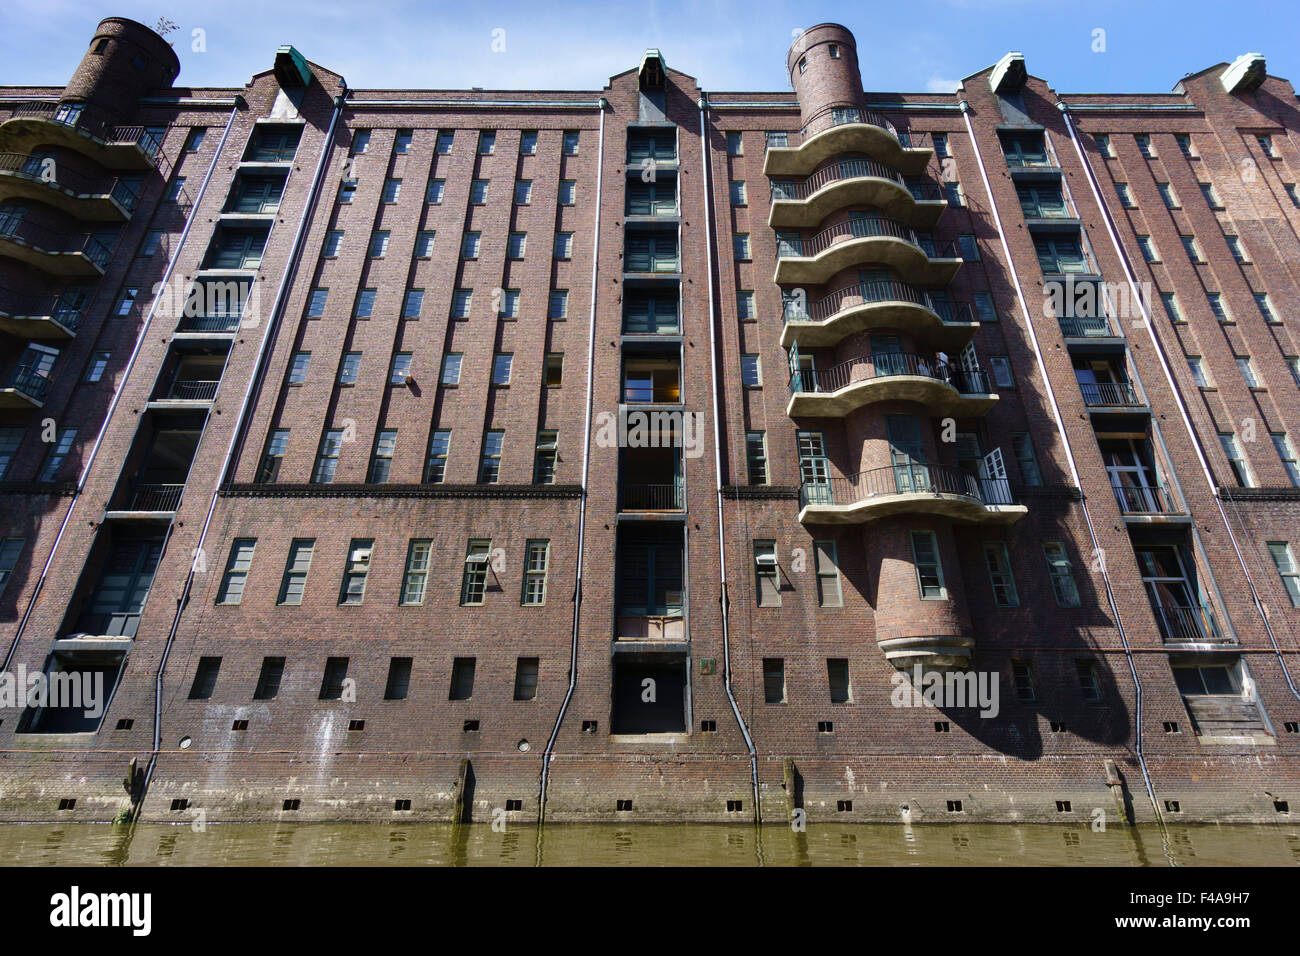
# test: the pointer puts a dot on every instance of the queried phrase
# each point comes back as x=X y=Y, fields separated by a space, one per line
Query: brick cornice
x=279 y=490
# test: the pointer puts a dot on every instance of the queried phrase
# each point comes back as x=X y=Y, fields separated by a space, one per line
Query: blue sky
x=908 y=45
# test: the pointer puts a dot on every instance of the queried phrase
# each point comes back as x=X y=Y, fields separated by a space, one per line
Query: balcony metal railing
x=1081 y=327
x=54 y=306
x=638 y=394
x=850 y=169
x=214 y=322
x=193 y=390
x=865 y=228
x=905 y=480
x=651 y=497
x=1195 y=624
x=138 y=136
x=840 y=114
x=124 y=193
x=30 y=382
x=1109 y=394
x=884 y=290
x=1143 y=500
x=47 y=240
x=884 y=365
x=153 y=496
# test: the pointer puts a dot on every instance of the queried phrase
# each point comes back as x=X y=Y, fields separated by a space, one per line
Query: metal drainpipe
x=117 y=393
x=277 y=308
x=717 y=460
x=1074 y=471
x=1178 y=396
x=586 y=455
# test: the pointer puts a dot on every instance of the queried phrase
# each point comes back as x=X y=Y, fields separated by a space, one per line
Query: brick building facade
x=627 y=454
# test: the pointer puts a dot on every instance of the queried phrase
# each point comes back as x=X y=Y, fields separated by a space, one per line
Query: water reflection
x=644 y=845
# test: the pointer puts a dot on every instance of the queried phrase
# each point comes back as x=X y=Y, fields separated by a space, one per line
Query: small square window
x=487 y=142
x=751 y=373
x=570 y=142
x=424 y=244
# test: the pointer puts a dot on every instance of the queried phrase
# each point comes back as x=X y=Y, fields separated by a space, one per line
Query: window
x=737 y=193
x=461 y=300
x=268 y=678
x=1286 y=454
x=175 y=189
x=474 y=583
x=295 y=571
x=501 y=363
x=433 y=193
x=1000 y=576
x=952 y=192
x=756 y=457
x=735 y=145
x=929 y=573
x=940 y=142
x=381 y=458
x=334 y=681
x=435 y=467
x=740 y=245
x=450 y=369
x=1199 y=373
x=273 y=456
x=1266 y=308
x=1001 y=366
x=402 y=142
x=413 y=303
x=837 y=676
x=57 y=454
x=478 y=191
x=10 y=550
x=316 y=303
x=544 y=458
x=1024 y=149
x=1286 y=569
x=1266 y=144
x=650 y=313
x=1060 y=254
x=1148 y=248
x=355 y=571
x=1292 y=193
x=445 y=139
x=333 y=240
x=1236 y=248
x=327 y=459
x=360 y=142
x=571 y=142
x=774 y=680
x=834 y=50
x=1185 y=144
x=366 y=303
x=205 y=678
x=349 y=367
x=536 y=556
x=553 y=369
x=194 y=140
x=528 y=142
x=152 y=242
x=1170 y=302
x=1236 y=461
x=1023 y=679
x=1023 y=446
x=1211 y=197
x=392 y=189
x=399 y=678
x=559 y=308
x=745 y=305
x=523 y=192
x=1247 y=369
x=803 y=64
x=95 y=370
x=1218 y=306
x=828 y=574
x=1191 y=248
x=10 y=437
x=751 y=371
x=126 y=301
x=378 y=244
x=489 y=470
x=469 y=245
x=237 y=565
x=970 y=250
x=509 y=304
x=347 y=190
x=1125 y=196
x=516 y=244
x=487 y=142
x=778 y=139
x=568 y=192
x=1168 y=195
x=767 y=574
x=526 y=678
x=1293 y=363
x=424 y=244
x=1144 y=145
x=462 y=679
x=416 y=576
x=1089 y=685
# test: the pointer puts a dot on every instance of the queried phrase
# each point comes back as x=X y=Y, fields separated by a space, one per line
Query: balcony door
x=907 y=454
x=1131 y=476
x=124 y=584
x=814 y=468
x=1170 y=582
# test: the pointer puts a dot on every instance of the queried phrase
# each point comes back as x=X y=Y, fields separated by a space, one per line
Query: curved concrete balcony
x=854 y=182
x=873 y=241
x=908 y=489
x=56 y=253
x=890 y=377
x=931 y=651
x=53 y=124
x=845 y=128
x=26 y=388
x=884 y=304
x=39 y=316
x=25 y=178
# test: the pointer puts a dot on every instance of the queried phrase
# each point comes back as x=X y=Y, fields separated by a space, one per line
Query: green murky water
x=642 y=845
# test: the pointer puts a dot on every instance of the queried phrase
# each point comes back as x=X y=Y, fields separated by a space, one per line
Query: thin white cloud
x=938 y=84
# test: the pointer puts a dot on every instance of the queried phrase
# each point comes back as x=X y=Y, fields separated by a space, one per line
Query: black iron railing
x=1109 y=394
x=865 y=228
x=903 y=480
x=1195 y=624
x=651 y=497
x=154 y=496
x=193 y=390
x=1143 y=500
x=841 y=114
x=14 y=227
x=56 y=176
x=30 y=381
x=878 y=365
x=881 y=290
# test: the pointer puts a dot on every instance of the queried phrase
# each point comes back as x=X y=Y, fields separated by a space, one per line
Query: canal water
x=300 y=844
